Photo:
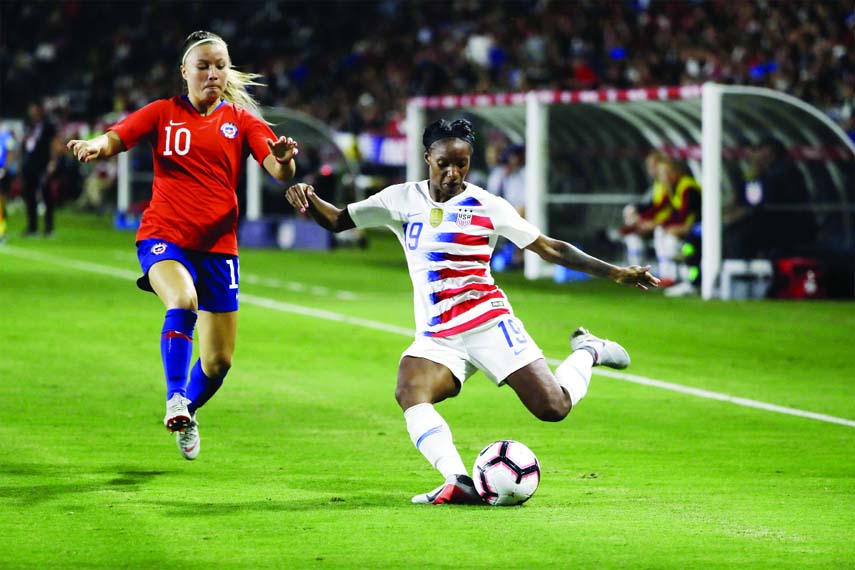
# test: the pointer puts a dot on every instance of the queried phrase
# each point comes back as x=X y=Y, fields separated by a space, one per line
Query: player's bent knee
x=553 y=414
x=553 y=410
x=402 y=399
x=408 y=396
x=217 y=365
x=183 y=300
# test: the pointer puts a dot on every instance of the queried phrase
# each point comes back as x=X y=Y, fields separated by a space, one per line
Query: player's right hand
x=298 y=196
x=84 y=151
x=636 y=275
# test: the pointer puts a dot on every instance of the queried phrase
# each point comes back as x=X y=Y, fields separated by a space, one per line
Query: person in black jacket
x=35 y=156
x=770 y=217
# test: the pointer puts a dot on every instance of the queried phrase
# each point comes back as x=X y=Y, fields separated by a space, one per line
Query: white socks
x=574 y=374
x=634 y=249
x=432 y=436
x=667 y=249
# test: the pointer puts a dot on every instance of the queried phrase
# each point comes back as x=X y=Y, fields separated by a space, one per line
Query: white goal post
x=698 y=123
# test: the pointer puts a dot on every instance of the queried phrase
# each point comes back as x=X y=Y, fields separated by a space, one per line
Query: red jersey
x=197 y=162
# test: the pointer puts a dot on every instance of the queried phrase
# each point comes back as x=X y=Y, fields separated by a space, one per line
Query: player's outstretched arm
x=302 y=198
x=102 y=146
x=563 y=253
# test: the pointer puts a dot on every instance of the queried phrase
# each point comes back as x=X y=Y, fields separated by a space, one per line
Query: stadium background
x=353 y=65
x=305 y=460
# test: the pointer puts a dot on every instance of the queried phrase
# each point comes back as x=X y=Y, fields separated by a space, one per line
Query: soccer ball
x=506 y=473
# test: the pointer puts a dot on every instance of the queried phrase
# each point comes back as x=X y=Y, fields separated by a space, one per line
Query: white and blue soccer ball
x=506 y=473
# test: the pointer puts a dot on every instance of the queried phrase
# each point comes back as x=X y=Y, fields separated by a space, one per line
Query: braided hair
x=442 y=129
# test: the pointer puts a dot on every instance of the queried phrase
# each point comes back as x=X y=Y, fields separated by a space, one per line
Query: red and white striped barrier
x=562 y=97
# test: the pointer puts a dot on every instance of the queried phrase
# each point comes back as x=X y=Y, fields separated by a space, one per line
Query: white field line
x=273 y=283
x=700 y=393
x=298 y=287
x=323 y=314
x=375 y=325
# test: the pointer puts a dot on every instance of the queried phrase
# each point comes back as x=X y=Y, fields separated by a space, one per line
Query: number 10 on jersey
x=181 y=141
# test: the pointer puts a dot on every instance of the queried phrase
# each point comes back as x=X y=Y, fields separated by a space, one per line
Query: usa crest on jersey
x=464 y=217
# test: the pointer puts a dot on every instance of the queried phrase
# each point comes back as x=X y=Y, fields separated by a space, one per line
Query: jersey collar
x=426 y=191
x=190 y=104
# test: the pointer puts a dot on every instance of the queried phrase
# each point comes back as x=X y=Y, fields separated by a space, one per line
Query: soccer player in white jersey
x=464 y=322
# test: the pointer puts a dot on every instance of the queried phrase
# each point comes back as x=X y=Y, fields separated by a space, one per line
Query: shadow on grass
x=194 y=509
x=59 y=482
x=33 y=494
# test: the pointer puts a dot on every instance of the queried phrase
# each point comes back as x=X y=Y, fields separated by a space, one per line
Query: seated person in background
x=640 y=219
x=507 y=180
x=769 y=216
x=678 y=238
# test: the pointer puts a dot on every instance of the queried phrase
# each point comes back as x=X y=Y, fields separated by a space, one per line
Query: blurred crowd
x=353 y=64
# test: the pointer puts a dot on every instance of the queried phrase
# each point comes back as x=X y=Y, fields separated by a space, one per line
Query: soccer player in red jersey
x=187 y=240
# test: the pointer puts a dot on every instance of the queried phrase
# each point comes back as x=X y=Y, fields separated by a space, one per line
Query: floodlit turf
x=305 y=459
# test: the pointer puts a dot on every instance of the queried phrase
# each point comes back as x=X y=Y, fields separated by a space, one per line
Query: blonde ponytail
x=236 y=90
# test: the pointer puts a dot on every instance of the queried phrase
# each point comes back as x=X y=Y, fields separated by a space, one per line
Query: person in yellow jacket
x=641 y=219
x=7 y=173
x=2 y=219
x=678 y=238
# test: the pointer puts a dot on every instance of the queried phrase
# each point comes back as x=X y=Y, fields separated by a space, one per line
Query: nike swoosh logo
x=173 y=124
x=414 y=215
x=519 y=351
x=191 y=448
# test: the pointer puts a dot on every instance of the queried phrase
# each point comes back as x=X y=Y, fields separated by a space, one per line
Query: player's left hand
x=283 y=149
x=638 y=276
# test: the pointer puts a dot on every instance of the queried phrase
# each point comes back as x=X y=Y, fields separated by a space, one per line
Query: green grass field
x=305 y=459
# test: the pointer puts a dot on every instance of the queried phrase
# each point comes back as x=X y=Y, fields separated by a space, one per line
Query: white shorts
x=499 y=347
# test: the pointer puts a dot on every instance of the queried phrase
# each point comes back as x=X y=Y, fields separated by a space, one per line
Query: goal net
x=585 y=152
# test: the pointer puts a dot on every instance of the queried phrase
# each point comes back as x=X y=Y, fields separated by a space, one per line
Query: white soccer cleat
x=189 y=440
x=177 y=415
x=457 y=490
x=605 y=352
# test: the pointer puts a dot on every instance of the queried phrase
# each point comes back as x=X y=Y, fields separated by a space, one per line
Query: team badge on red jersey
x=158 y=248
x=229 y=130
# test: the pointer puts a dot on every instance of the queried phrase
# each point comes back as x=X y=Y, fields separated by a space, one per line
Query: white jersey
x=448 y=247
